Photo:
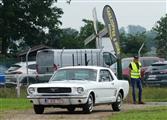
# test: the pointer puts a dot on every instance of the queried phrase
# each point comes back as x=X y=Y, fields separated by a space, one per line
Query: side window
x=109 y=59
x=105 y=76
x=33 y=66
x=125 y=63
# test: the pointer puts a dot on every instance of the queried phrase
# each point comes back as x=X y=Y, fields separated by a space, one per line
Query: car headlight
x=31 y=90
x=80 y=90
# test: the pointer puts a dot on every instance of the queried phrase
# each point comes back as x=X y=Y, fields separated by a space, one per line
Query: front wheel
x=88 y=107
x=116 y=106
x=38 y=109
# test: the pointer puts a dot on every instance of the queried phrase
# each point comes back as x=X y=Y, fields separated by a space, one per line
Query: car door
x=106 y=87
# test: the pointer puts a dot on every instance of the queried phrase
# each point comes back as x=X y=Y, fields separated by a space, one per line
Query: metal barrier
x=19 y=80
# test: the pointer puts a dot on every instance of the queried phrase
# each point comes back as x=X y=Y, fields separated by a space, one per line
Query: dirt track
x=99 y=113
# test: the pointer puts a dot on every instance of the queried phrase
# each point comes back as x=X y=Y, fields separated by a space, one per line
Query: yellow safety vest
x=135 y=72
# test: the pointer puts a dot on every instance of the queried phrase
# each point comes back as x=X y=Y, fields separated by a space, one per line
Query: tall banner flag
x=112 y=27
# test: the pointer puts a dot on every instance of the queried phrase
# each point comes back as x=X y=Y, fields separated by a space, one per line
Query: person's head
x=135 y=58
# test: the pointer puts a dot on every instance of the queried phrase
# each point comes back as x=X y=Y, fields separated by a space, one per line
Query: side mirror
x=100 y=80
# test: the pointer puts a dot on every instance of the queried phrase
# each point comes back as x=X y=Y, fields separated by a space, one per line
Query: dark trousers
x=137 y=82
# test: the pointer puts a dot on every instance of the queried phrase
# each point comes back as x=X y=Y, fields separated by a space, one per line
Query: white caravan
x=49 y=60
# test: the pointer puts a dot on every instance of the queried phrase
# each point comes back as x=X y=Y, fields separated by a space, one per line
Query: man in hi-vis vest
x=135 y=76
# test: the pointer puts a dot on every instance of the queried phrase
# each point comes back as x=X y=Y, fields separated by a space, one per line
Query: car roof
x=24 y=63
x=147 y=57
x=82 y=67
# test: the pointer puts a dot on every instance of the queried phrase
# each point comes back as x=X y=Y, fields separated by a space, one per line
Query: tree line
x=27 y=23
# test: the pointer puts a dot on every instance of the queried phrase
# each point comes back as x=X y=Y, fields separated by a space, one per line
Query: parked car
x=2 y=75
x=145 y=61
x=156 y=74
x=79 y=86
x=18 y=71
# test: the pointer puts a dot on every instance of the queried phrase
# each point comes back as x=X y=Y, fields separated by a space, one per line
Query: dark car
x=156 y=74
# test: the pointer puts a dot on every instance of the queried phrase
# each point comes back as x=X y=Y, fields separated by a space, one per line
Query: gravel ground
x=99 y=113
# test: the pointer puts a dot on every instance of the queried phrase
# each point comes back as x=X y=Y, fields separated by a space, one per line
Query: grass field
x=10 y=102
x=155 y=113
x=155 y=94
x=14 y=104
x=151 y=94
x=8 y=98
x=152 y=113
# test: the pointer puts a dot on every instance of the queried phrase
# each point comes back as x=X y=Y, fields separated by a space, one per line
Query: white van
x=49 y=60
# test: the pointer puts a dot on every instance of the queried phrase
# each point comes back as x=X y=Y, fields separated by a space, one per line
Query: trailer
x=49 y=60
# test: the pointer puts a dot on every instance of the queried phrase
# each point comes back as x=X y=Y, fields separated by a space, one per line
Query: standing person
x=135 y=76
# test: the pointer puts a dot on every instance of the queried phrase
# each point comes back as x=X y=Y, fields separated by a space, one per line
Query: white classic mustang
x=79 y=86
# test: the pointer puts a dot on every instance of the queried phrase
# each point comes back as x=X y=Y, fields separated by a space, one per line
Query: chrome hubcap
x=90 y=102
x=119 y=101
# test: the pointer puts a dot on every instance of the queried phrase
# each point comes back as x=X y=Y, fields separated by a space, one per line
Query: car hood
x=66 y=83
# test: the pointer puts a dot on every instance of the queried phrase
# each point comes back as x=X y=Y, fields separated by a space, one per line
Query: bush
x=12 y=92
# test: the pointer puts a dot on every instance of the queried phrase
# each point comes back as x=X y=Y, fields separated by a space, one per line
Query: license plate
x=152 y=76
x=54 y=101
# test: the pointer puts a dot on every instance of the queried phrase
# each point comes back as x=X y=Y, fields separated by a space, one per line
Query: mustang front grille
x=54 y=90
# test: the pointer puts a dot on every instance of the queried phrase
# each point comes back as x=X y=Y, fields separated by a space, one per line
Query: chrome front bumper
x=58 y=100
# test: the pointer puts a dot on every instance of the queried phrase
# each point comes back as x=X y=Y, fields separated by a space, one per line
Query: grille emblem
x=53 y=89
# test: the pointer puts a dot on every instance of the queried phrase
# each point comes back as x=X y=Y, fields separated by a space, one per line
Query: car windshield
x=75 y=74
x=159 y=66
x=148 y=62
x=14 y=67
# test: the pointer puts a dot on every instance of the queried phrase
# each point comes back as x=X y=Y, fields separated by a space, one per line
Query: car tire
x=88 y=107
x=116 y=106
x=38 y=109
x=71 y=108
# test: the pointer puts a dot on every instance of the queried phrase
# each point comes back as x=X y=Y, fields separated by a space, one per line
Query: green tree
x=28 y=22
x=134 y=29
x=53 y=38
x=150 y=41
x=132 y=39
x=69 y=39
x=161 y=38
x=123 y=42
x=130 y=44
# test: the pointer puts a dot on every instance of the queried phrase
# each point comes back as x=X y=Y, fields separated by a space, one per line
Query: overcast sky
x=128 y=12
